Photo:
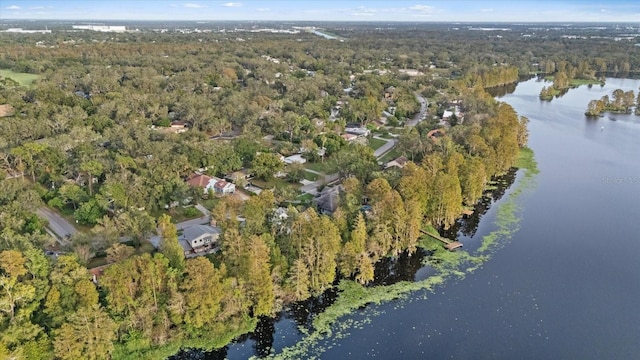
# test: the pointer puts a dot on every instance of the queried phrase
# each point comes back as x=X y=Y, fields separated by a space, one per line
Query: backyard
x=23 y=79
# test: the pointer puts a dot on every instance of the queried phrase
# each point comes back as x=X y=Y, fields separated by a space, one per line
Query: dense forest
x=91 y=139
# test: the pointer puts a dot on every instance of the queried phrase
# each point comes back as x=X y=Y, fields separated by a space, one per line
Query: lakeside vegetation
x=566 y=76
x=88 y=139
x=621 y=102
x=446 y=264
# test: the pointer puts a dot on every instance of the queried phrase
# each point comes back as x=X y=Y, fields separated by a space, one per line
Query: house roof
x=221 y=184
x=6 y=110
x=329 y=198
x=297 y=158
x=199 y=180
x=399 y=162
x=194 y=232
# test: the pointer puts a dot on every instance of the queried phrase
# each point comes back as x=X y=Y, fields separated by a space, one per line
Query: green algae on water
x=446 y=264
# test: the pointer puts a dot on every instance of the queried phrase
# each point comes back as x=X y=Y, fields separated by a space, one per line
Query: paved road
x=423 y=110
x=59 y=225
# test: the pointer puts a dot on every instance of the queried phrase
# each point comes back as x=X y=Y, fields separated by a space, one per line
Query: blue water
x=567 y=285
x=564 y=287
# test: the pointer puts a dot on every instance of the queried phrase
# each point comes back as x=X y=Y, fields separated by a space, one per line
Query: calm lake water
x=567 y=284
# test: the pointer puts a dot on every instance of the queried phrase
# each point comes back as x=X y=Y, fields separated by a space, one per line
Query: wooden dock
x=448 y=244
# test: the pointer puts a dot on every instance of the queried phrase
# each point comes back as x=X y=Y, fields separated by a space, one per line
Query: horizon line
x=514 y=22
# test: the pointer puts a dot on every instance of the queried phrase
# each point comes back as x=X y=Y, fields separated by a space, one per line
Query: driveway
x=384 y=148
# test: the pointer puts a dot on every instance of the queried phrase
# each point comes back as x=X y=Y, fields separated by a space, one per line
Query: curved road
x=423 y=110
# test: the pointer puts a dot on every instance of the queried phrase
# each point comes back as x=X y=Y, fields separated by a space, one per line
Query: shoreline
x=446 y=264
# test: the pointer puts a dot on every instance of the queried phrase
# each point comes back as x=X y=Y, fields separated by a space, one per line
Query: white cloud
x=423 y=8
x=232 y=4
x=486 y=10
x=193 y=6
x=362 y=14
x=364 y=11
x=13 y=7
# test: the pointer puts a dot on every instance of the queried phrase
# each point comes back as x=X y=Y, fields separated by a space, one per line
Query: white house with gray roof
x=199 y=240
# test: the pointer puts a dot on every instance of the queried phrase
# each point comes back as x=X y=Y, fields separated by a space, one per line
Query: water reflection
x=468 y=225
x=387 y=271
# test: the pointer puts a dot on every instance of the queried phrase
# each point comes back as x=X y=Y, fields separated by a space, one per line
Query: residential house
x=297 y=158
x=435 y=134
x=400 y=163
x=360 y=131
x=7 y=110
x=448 y=114
x=388 y=92
x=328 y=200
x=178 y=127
x=202 y=181
x=224 y=187
x=210 y=183
x=239 y=176
x=279 y=220
x=349 y=137
x=199 y=240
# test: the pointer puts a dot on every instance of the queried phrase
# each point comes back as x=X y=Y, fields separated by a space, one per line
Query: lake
x=567 y=284
x=564 y=286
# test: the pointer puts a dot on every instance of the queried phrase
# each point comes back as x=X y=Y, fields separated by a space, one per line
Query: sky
x=327 y=10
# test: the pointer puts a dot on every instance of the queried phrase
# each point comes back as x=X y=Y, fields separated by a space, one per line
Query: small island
x=621 y=102
x=567 y=78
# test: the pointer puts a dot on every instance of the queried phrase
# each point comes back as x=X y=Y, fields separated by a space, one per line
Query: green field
x=23 y=78
x=321 y=167
x=310 y=176
x=375 y=144
x=394 y=153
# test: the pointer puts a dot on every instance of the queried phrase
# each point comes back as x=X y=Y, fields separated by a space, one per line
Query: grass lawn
x=305 y=197
x=180 y=214
x=145 y=247
x=23 y=78
x=319 y=166
x=96 y=261
x=394 y=153
x=210 y=203
x=578 y=82
x=375 y=144
x=273 y=182
x=310 y=176
x=385 y=136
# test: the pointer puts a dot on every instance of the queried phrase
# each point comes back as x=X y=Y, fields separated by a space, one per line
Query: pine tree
x=169 y=245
